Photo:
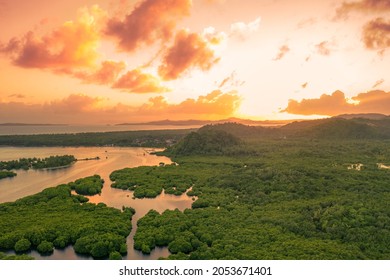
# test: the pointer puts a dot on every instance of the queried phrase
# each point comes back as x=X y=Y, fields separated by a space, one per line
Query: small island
x=88 y=186
x=38 y=163
x=6 y=174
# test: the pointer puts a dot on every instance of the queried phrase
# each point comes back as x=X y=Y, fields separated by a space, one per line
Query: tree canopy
x=56 y=218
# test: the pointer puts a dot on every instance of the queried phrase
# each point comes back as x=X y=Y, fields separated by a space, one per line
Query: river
x=111 y=158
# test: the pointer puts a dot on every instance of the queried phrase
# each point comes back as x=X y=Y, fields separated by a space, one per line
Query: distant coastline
x=32 y=124
x=205 y=122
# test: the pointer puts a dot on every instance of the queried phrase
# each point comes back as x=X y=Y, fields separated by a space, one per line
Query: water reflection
x=33 y=181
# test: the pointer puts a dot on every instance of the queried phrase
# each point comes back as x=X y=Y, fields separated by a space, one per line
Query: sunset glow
x=113 y=61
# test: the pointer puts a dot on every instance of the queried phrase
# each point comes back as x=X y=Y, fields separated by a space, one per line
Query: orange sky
x=111 y=61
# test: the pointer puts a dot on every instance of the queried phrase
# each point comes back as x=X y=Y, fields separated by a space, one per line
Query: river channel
x=111 y=158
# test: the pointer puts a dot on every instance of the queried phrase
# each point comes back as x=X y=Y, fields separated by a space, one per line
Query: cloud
x=105 y=75
x=377 y=101
x=323 y=48
x=190 y=50
x=72 y=45
x=231 y=81
x=73 y=104
x=3 y=7
x=75 y=108
x=150 y=21
x=19 y=96
x=79 y=108
x=216 y=103
x=212 y=36
x=369 y=102
x=362 y=6
x=376 y=34
x=135 y=81
x=306 y=22
x=242 y=30
x=378 y=83
x=282 y=52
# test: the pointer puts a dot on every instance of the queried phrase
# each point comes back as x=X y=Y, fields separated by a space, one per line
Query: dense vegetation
x=278 y=199
x=338 y=128
x=15 y=257
x=7 y=174
x=54 y=218
x=275 y=193
x=37 y=163
x=149 y=181
x=88 y=186
x=147 y=138
x=205 y=142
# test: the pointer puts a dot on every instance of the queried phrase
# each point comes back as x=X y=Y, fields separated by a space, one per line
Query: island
x=6 y=174
x=87 y=186
x=51 y=162
x=54 y=218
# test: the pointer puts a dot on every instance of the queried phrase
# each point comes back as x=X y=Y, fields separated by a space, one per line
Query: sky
x=115 y=61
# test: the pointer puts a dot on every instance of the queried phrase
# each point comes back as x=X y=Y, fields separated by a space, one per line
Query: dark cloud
x=190 y=50
x=282 y=52
x=150 y=21
x=135 y=81
x=369 y=102
x=364 y=6
x=376 y=34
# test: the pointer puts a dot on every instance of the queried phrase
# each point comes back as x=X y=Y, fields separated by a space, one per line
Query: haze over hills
x=336 y=128
x=194 y=122
x=330 y=128
x=206 y=122
x=371 y=116
x=32 y=124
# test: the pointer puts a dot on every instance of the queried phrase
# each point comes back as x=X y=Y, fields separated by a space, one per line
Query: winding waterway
x=111 y=158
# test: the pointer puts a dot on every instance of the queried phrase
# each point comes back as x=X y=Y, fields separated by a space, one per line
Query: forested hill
x=340 y=128
x=332 y=128
x=205 y=141
x=228 y=137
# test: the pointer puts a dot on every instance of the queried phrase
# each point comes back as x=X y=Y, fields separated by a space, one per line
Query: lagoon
x=111 y=158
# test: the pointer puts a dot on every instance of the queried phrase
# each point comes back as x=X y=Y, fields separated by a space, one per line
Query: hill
x=371 y=116
x=205 y=141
